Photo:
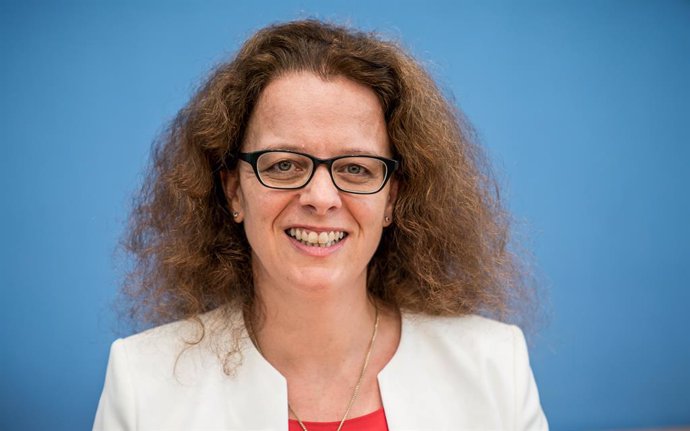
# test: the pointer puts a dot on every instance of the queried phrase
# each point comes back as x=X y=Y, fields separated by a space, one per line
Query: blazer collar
x=257 y=396
x=261 y=401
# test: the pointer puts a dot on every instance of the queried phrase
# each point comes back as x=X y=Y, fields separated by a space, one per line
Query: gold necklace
x=355 y=393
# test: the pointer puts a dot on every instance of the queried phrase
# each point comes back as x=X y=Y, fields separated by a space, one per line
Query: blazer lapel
x=257 y=394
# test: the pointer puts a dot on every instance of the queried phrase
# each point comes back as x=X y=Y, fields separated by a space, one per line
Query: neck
x=313 y=330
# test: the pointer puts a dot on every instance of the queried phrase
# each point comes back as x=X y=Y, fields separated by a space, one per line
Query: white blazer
x=467 y=373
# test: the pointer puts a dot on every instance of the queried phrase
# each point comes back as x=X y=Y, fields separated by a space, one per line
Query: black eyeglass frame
x=253 y=157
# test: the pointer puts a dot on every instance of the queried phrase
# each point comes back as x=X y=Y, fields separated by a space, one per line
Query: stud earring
x=387 y=219
x=235 y=214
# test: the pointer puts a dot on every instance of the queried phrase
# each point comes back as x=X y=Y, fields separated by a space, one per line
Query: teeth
x=314 y=239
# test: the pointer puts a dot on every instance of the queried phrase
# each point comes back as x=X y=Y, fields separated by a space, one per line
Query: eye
x=355 y=169
x=283 y=165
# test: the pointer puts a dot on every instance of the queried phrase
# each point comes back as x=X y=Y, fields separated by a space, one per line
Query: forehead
x=302 y=111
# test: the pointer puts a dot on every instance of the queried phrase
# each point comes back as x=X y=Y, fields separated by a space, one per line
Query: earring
x=235 y=214
x=387 y=219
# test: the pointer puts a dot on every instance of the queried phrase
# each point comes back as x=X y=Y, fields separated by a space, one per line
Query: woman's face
x=302 y=112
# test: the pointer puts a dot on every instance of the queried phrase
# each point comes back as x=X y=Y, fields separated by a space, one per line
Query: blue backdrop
x=584 y=106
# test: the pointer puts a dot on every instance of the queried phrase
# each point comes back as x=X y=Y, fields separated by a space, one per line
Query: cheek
x=369 y=213
x=258 y=228
x=262 y=210
x=378 y=206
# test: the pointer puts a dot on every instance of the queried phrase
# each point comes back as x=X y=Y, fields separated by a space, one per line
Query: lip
x=316 y=251
x=316 y=229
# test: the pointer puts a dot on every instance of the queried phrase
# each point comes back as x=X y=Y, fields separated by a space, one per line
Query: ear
x=390 y=204
x=233 y=193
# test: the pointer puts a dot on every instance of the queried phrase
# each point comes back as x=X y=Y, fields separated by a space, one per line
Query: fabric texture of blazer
x=466 y=373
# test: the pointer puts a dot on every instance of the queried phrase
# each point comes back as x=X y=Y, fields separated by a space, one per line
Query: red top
x=374 y=421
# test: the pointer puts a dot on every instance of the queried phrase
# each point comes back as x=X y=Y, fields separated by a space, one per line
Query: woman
x=324 y=232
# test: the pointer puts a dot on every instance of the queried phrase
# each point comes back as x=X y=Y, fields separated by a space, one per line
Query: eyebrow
x=347 y=151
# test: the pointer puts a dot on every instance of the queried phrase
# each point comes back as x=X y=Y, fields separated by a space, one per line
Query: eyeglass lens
x=288 y=170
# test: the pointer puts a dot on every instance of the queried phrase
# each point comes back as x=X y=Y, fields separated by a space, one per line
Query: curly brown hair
x=447 y=251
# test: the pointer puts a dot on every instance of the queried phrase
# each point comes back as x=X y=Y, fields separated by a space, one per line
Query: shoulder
x=471 y=323
x=474 y=332
x=186 y=331
x=170 y=346
x=470 y=351
x=463 y=347
x=469 y=361
x=162 y=338
x=171 y=364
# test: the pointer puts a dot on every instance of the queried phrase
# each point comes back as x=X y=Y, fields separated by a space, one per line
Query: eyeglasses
x=290 y=170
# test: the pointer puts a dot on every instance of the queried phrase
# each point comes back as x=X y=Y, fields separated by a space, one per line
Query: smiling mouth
x=316 y=239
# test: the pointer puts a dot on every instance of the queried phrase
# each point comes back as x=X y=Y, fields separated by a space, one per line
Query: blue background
x=584 y=107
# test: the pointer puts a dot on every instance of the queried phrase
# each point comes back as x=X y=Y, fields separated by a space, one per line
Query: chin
x=324 y=279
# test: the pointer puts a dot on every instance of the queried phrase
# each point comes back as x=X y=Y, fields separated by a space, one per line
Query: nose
x=320 y=194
